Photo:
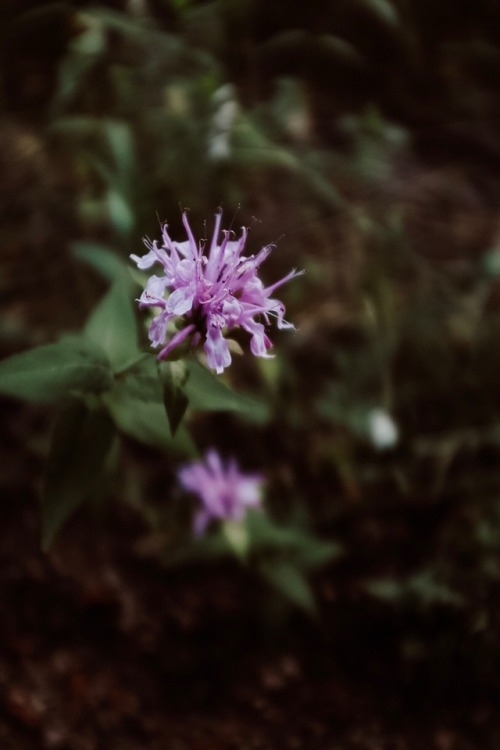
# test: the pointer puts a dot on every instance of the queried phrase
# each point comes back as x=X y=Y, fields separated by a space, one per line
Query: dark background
x=366 y=133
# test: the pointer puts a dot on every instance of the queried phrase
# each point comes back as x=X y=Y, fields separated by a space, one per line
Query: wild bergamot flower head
x=210 y=291
x=223 y=490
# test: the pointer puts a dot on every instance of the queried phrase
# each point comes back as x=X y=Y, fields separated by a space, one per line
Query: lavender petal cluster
x=223 y=490
x=210 y=292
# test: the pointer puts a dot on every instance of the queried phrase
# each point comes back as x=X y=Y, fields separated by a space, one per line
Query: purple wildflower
x=211 y=292
x=225 y=493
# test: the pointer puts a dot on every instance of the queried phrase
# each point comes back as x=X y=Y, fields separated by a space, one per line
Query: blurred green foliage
x=365 y=132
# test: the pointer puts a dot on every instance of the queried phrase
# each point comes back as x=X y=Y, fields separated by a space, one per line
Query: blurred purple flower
x=225 y=493
x=210 y=292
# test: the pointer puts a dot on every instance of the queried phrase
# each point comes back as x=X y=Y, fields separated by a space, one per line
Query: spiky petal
x=224 y=492
x=211 y=292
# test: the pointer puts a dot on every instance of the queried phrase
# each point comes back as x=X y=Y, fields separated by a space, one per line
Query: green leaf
x=53 y=371
x=386 y=589
x=290 y=582
x=145 y=33
x=384 y=11
x=207 y=392
x=203 y=390
x=146 y=421
x=173 y=376
x=142 y=380
x=112 y=326
x=101 y=259
x=92 y=42
x=120 y=211
x=237 y=537
x=121 y=145
x=423 y=587
x=295 y=542
x=491 y=263
x=123 y=24
x=252 y=146
x=427 y=587
x=84 y=51
x=82 y=441
x=339 y=50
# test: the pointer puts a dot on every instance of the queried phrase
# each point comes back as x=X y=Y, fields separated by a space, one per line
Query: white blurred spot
x=223 y=119
x=382 y=429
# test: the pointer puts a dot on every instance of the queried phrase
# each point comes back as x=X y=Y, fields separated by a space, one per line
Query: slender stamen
x=212 y=290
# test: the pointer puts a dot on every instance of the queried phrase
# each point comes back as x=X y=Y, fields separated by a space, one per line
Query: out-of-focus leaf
x=100 y=164
x=102 y=259
x=92 y=41
x=116 y=135
x=85 y=49
x=294 y=542
x=142 y=381
x=81 y=444
x=283 y=554
x=339 y=50
x=120 y=142
x=207 y=392
x=52 y=371
x=430 y=590
x=286 y=42
x=113 y=327
x=120 y=212
x=146 y=422
x=386 y=589
x=290 y=582
x=141 y=33
x=124 y=24
x=298 y=42
x=173 y=376
x=252 y=146
x=491 y=262
x=383 y=10
x=423 y=587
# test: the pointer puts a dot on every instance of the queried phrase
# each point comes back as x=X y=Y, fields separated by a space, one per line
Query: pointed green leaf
x=120 y=142
x=173 y=376
x=120 y=211
x=53 y=371
x=146 y=421
x=295 y=543
x=112 y=326
x=291 y=583
x=142 y=381
x=384 y=11
x=81 y=443
x=339 y=50
x=424 y=587
x=314 y=553
x=427 y=587
x=208 y=392
x=387 y=589
x=102 y=259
